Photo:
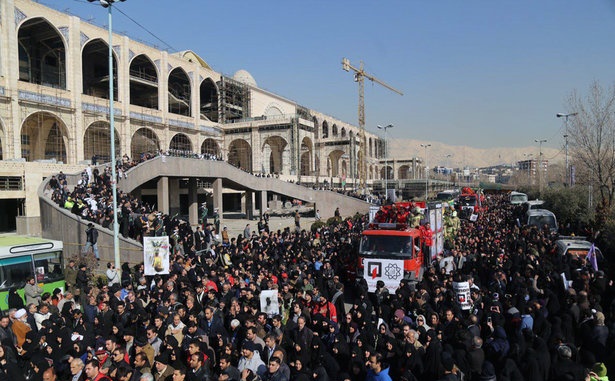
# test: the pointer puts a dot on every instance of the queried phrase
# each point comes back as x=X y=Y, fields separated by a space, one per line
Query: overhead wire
x=169 y=46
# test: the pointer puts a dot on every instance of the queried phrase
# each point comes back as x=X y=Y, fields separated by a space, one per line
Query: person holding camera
x=112 y=276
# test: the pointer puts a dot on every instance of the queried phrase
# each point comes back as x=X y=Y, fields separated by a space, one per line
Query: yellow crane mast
x=359 y=76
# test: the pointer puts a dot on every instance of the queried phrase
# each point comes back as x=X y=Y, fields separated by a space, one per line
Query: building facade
x=54 y=110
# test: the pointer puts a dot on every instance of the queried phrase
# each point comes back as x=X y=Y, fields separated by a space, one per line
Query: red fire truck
x=469 y=202
x=392 y=250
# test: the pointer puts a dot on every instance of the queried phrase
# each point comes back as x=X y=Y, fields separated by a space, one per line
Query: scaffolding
x=234 y=100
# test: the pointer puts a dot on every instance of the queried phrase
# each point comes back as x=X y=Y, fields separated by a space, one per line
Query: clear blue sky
x=477 y=73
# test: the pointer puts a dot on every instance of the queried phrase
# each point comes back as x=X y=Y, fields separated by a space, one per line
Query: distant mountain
x=461 y=156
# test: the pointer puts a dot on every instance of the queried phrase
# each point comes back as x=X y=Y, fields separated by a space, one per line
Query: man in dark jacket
x=91 y=234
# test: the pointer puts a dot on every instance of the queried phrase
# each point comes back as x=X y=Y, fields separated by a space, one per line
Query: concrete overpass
x=168 y=170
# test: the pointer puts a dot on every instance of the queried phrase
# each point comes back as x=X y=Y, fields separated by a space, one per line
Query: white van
x=534 y=204
x=517 y=198
x=542 y=217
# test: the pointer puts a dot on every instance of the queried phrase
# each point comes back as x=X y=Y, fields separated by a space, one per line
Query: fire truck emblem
x=392 y=271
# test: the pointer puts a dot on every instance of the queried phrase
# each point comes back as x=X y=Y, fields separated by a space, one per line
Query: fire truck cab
x=469 y=203
x=390 y=249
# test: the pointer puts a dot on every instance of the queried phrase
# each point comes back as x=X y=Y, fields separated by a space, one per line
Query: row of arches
x=42 y=60
x=45 y=137
x=374 y=146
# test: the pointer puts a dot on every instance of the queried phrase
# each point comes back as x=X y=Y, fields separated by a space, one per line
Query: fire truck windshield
x=467 y=200
x=378 y=245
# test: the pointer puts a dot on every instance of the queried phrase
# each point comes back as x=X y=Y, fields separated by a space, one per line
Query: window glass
x=14 y=271
x=48 y=267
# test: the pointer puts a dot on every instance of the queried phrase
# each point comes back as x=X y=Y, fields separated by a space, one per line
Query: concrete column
x=248 y=204
x=263 y=195
x=173 y=196
x=32 y=181
x=217 y=190
x=193 y=203
x=163 y=195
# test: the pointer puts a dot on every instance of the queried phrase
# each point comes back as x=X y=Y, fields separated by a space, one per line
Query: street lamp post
x=540 y=141
x=386 y=163
x=566 y=116
x=426 y=171
x=116 y=240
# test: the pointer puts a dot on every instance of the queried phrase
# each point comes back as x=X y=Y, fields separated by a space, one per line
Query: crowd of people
x=534 y=315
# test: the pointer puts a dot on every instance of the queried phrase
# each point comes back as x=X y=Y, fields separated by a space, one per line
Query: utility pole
x=386 y=162
x=540 y=141
x=359 y=76
x=426 y=171
x=562 y=115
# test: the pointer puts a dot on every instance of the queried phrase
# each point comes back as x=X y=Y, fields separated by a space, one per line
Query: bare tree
x=592 y=142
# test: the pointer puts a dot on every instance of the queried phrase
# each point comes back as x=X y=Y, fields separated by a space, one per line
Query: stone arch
x=41 y=54
x=334 y=163
x=403 y=173
x=180 y=93
x=343 y=134
x=275 y=154
x=210 y=147
x=325 y=129
x=209 y=100
x=181 y=142
x=240 y=154
x=95 y=69
x=44 y=136
x=144 y=141
x=371 y=172
x=273 y=110
x=370 y=148
x=334 y=131
x=306 y=157
x=143 y=82
x=97 y=141
x=389 y=170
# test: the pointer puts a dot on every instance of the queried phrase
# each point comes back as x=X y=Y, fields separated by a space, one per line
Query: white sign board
x=462 y=294
x=373 y=209
x=390 y=271
x=156 y=255
x=269 y=302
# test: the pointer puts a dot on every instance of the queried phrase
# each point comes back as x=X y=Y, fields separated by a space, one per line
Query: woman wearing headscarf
x=298 y=372
x=411 y=360
x=384 y=333
x=300 y=353
x=320 y=356
x=422 y=327
x=9 y=369
x=433 y=356
x=14 y=300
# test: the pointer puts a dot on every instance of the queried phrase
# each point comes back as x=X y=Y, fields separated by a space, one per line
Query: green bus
x=23 y=256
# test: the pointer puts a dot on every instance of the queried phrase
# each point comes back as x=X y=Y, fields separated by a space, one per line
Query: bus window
x=14 y=271
x=49 y=265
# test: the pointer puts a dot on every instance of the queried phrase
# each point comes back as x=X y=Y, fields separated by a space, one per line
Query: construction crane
x=359 y=76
